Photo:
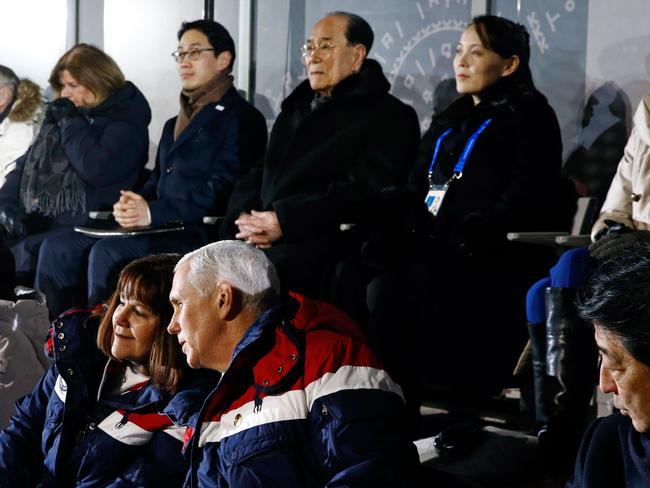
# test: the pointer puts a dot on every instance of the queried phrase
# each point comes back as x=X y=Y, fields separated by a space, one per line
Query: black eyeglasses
x=191 y=54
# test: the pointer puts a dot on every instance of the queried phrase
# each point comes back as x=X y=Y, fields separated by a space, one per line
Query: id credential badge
x=435 y=197
x=437 y=193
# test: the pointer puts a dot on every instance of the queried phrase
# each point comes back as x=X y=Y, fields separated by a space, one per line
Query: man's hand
x=611 y=244
x=131 y=210
x=261 y=229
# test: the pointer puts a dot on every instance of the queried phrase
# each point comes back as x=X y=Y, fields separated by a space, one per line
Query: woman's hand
x=59 y=109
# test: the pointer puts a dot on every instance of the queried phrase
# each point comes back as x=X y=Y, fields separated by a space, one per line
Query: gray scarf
x=49 y=184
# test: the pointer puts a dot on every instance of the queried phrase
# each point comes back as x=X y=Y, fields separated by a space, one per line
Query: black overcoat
x=323 y=167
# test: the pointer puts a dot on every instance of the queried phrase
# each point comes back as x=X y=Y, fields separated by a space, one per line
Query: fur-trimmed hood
x=28 y=104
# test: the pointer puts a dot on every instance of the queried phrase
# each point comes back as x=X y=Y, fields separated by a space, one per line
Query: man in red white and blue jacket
x=302 y=401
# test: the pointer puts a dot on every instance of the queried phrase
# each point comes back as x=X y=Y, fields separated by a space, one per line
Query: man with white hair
x=302 y=401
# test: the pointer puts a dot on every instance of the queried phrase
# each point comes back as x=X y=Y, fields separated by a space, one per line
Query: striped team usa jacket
x=62 y=435
x=303 y=403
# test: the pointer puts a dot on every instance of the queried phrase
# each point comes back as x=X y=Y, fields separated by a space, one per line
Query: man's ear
x=359 y=54
x=223 y=60
x=226 y=301
x=512 y=63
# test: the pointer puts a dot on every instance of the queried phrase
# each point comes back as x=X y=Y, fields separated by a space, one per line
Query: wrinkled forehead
x=331 y=29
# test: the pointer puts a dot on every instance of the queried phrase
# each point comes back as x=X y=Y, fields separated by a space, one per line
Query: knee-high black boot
x=571 y=365
x=540 y=404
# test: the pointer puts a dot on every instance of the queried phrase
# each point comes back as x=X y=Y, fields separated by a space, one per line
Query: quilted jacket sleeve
x=21 y=458
x=353 y=421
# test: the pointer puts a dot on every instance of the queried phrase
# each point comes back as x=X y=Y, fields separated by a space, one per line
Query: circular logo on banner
x=417 y=55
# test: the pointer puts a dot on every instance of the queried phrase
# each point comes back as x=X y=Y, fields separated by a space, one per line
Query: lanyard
x=458 y=169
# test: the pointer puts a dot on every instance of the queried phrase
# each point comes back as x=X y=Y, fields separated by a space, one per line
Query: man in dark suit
x=339 y=139
x=615 y=450
x=213 y=140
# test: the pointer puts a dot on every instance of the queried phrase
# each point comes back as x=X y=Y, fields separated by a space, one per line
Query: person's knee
x=535 y=301
x=572 y=268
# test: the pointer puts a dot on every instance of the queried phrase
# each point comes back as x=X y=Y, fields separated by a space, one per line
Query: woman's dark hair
x=617 y=299
x=218 y=36
x=90 y=67
x=507 y=39
x=149 y=281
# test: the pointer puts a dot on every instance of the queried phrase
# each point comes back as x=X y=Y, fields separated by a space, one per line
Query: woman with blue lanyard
x=489 y=164
x=103 y=414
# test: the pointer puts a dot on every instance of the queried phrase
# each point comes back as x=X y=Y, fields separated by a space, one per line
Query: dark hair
x=149 y=280
x=617 y=299
x=358 y=30
x=218 y=36
x=90 y=67
x=507 y=38
x=9 y=78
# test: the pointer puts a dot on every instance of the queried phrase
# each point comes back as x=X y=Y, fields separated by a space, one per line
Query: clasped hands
x=131 y=210
x=261 y=229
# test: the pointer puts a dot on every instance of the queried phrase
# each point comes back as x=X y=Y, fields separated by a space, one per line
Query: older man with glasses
x=214 y=139
x=339 y=139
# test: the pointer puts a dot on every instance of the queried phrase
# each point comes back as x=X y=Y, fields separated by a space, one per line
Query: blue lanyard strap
x=460 y=165
x=437 y=149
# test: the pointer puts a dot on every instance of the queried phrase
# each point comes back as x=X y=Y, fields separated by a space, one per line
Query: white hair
x=245 y=267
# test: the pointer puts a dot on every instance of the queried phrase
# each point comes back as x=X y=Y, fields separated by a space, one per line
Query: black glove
x=59 y=109
x=612 y=243
x=611 y=227
x=11 y=219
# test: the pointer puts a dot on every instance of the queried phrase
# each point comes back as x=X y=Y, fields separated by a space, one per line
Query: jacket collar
x=210 y=112
x=139 y=396
x=368 y=83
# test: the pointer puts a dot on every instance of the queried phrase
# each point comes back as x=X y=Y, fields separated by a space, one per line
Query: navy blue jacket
x=612 y=454
x=107 y=145
x=195 y=174
x=62 y=435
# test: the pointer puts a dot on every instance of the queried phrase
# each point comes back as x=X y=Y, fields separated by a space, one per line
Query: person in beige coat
x=627 y=207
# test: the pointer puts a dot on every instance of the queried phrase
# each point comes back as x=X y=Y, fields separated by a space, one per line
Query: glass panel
x=141 y=36
x=33 y=37
x=558 y=42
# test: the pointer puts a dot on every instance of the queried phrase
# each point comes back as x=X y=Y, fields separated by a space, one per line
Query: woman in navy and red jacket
x=93 y=421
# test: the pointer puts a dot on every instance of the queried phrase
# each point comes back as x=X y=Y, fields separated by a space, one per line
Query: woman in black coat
x=92 y=144
x=493 y=160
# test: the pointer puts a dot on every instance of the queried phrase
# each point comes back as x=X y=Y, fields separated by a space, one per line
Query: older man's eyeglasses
x=325 y=49
x=191 y=54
